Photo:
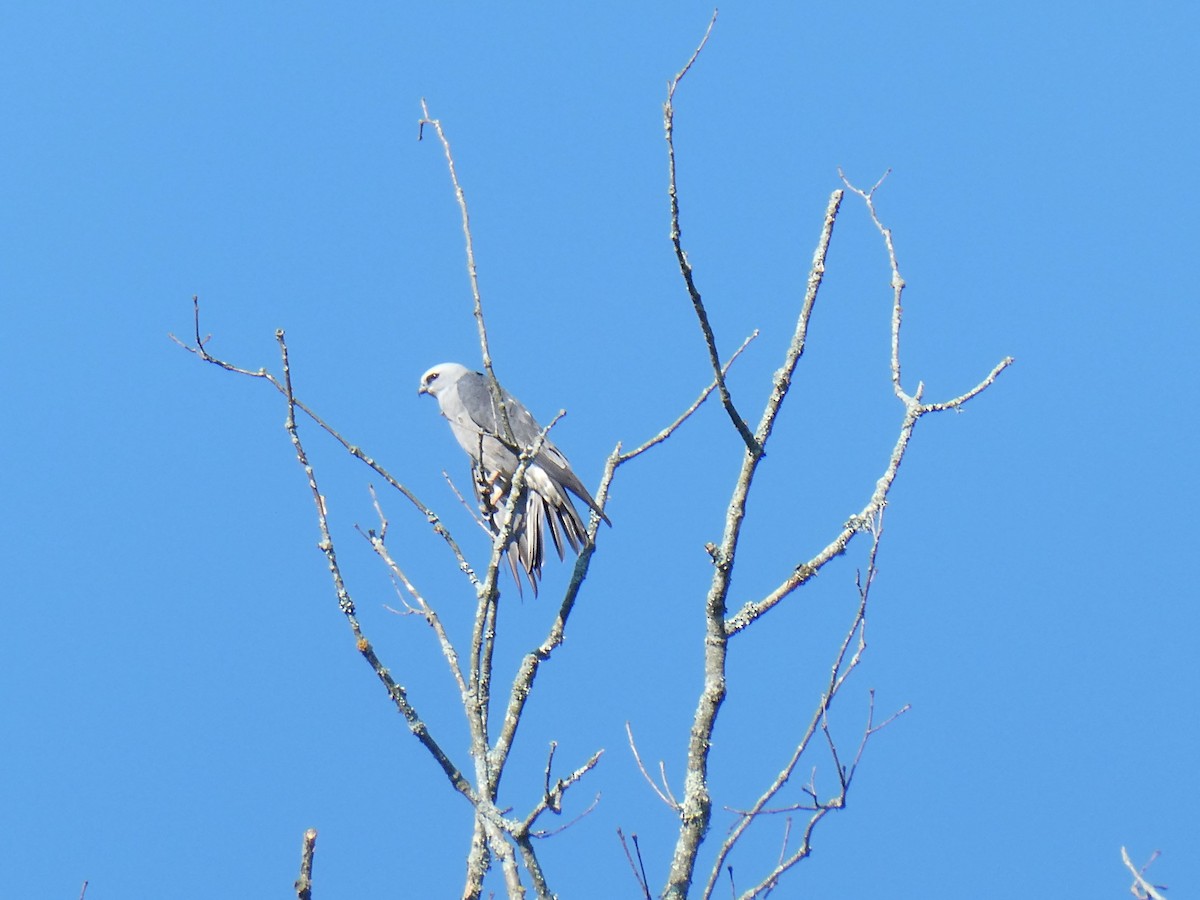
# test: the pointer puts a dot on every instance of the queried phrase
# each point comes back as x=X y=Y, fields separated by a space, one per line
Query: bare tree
x=494 y=716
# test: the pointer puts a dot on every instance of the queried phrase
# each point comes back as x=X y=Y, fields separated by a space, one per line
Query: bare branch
x=697 y=804
x=379 y=545
x=897 y=281
x=914 y=410
x=839 y=670
x=461 y=197
x=973 y=392
x=431 y=517
x=816 y=275
x=479 y=859
x=685 y=268
x=397 y=692
x=472 y=510
x=1141 y=888
x=508 y=861
x=692 y=59
x=639 y=869
x=304 y=882
x=664 y=793
x=523 y=682
x=591 y=807
x=553 y=796
x=201 y=351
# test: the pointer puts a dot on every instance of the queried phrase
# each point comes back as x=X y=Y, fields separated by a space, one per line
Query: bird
x=466 y=401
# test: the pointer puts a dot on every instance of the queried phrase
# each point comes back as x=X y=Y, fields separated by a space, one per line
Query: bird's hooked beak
x=422 y=389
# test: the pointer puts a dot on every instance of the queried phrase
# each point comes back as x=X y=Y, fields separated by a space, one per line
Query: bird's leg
x=496 y=490
x=490 y=492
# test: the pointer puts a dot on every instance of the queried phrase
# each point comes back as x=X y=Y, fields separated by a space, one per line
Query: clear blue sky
x=180 y=697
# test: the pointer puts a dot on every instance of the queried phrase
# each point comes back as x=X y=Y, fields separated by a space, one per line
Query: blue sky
x=180 y=697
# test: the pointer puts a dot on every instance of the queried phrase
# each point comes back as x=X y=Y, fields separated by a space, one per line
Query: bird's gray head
x=441 y=378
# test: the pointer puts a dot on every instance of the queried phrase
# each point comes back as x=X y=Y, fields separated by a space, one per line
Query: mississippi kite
x=466 y=401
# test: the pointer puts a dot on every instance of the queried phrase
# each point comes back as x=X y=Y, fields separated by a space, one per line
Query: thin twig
x=898 y=283
x=685 y=268
x=379 y=545
x=472 y=510
x=545 y=833
x=639 y=876
x=664 y=793
x=973 y=392
x=552 y=798
x=461 y=196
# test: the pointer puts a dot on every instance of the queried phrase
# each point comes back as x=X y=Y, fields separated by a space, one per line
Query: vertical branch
x=685 y=267
x=304 y=882
x=478 y=861
x=461 y=197
x=697 y=804
x=816 y=274
x=527 y=673
x=897 y=281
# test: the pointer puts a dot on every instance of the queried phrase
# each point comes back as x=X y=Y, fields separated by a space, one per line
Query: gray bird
x=466 y=401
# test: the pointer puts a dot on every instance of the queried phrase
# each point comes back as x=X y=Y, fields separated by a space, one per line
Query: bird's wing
x=475 y=399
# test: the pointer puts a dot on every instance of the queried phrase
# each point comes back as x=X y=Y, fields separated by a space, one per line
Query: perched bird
x=465 y=399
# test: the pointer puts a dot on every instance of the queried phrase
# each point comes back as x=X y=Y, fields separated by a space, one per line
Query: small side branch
x=378 y=542
x=816 y=275
x=552 y=796
x=664 y=793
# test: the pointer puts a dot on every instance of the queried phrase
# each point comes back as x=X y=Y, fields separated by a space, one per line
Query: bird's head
x=440 y=378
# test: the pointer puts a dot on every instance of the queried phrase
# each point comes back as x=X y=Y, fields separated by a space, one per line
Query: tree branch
x=397 y=692
x=697 y=804
x=685 y=267
x=304 y=882
x=200 y=350
x=461 y=196
x=1141 y=888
